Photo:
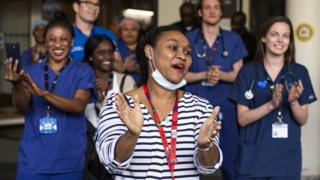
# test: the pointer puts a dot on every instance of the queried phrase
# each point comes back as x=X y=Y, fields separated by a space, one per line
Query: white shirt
x=148 y=159
x=129 y=84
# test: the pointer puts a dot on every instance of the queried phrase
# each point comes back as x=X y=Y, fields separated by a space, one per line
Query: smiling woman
x=99 y=54
x=272 y=95
x=52 y=94
x=134 y=128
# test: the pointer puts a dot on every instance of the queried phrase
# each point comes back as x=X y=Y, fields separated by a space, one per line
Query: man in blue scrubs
x=86 y=13
x=216 y=60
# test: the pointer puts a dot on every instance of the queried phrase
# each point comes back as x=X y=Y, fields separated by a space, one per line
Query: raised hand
x=33 y=87
x=10 y=71
x=130 y=63
x=209 y=128
x=295 y=91
x=102 y=87
x=131 y=117
x=277 y=95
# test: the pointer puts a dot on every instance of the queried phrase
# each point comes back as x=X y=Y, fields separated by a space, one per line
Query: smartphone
x=13 y=51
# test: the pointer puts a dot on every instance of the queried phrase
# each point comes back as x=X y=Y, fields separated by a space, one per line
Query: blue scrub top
x=218 y=94
x=259 y=154
x=63 y=151
x=80 y=39
x=26 y=59
x=125 y=52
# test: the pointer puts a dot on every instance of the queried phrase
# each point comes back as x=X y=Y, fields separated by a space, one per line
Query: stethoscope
x=203 y=45
x=248 y=94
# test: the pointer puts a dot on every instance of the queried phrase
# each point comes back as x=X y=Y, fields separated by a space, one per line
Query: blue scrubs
x=125 y=52
x=218 y=94
x=80 y=39
x=260 y=155
x=55 y=176
x=63 y=151
x=26 y=59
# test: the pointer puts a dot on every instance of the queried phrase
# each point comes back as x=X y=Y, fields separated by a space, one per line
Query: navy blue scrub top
x=63 y=151
x=260 y=155
x=218 y=94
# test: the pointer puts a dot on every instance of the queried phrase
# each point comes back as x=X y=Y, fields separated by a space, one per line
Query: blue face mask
x=162 y=81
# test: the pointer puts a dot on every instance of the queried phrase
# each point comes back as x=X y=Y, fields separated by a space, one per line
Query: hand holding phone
x=13 y=51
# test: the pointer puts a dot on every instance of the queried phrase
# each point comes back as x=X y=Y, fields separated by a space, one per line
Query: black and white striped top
x=148 y=159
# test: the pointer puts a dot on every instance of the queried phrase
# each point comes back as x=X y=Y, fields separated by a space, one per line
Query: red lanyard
x=169 y=151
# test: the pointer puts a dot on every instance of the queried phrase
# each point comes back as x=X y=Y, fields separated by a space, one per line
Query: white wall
x=168 y=11
x=308 y=54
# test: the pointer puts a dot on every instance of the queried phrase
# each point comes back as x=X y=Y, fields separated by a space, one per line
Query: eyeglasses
x=90 y=4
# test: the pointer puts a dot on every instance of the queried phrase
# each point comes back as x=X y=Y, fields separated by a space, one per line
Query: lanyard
x=169 y=151
x=54 y=82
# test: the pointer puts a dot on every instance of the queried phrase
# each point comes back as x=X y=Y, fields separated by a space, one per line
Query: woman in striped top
x=158 y=131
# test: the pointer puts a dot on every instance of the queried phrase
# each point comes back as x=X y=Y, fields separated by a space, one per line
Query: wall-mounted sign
x=304 y=32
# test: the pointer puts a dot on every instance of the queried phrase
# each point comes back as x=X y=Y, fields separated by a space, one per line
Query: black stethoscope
x=203 y=45
x=248 y=94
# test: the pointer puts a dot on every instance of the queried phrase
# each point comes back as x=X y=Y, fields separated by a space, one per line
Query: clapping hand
x=213 y=75
x=102 y=88
x=209 y=128
x=277 y=95
x=33 y=87
x=131 y=117
x=295 y=91
x=130 y=64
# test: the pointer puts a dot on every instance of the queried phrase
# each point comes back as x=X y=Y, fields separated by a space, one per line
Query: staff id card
x=48 y=125
x=279 y=130
x=206 y=83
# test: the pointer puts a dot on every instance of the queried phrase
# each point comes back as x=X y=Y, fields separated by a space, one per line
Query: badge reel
x=248 y=94
x=48 y=124
x=279 y=129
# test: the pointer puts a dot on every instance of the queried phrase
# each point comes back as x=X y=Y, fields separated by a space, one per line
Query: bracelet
x=205 y=147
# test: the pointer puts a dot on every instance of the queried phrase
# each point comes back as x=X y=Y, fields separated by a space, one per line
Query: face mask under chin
x=162 y=81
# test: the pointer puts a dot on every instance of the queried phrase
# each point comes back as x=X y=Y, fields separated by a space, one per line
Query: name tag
x=48 y=125
x=279 y=130
x=206 y=83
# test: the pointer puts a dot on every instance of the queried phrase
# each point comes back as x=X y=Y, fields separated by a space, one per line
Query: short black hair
x=149 y=38
x=60 y=19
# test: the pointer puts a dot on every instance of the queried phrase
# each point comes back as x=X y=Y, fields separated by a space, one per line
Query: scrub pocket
x=246 y=158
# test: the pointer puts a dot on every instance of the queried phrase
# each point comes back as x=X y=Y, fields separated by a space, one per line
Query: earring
x=90 y=59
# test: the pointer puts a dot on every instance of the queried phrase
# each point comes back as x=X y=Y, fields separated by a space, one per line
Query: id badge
x=48 y=125
x=279 y=130
x=206 y=83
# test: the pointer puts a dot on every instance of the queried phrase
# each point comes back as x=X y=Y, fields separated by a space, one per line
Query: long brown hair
x=289 y=55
